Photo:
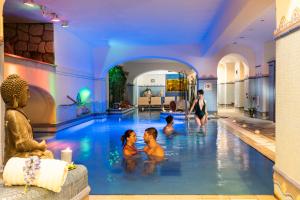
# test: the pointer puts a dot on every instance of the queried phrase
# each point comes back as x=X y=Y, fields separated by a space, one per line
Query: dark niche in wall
x=34 y=41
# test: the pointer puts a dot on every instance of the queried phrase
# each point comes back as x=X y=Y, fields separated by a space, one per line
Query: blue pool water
x=215 y=163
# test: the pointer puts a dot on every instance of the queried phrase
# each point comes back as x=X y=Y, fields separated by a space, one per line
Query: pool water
x=196 y=163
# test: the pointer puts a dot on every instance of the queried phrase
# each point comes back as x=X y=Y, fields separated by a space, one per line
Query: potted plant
x=252 y=112
x=252 y=108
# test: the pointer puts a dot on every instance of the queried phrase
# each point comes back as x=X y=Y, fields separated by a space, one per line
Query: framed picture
x=207 y=86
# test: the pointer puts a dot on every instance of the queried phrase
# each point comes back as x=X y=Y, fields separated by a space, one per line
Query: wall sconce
x=55 y=18
x=64 y=24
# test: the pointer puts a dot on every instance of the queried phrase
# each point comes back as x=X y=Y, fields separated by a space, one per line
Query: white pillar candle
x=66 y=155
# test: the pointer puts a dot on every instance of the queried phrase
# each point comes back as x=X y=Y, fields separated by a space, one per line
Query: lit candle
x=66 y=155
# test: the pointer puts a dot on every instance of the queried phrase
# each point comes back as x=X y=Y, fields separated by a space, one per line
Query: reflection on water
x=210 y=161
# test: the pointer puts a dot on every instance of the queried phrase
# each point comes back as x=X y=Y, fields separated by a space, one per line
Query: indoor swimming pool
x=216 y=162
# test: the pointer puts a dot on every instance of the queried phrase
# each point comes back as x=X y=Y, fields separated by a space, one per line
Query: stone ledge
x=259 y=142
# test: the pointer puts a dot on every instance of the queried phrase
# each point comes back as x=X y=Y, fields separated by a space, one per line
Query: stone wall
x=34 y=41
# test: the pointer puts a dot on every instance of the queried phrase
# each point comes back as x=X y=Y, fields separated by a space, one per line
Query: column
x=287 y=36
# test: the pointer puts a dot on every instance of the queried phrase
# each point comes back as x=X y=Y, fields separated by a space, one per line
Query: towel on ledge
x=51 y=175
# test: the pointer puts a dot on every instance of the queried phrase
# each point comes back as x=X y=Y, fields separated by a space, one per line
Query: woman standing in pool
x=200 y=109
x=128 y=141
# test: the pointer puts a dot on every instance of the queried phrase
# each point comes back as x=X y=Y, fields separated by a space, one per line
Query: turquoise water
x=215 y=163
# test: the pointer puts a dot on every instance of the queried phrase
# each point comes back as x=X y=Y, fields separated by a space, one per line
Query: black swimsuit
x=200 y=112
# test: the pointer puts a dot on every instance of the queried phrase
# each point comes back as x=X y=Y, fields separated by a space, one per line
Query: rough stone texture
x=49 y=47
x=11 y=25
x=32 y=47
x=9 y=32
x=23 y=36
x=48 y=57
x=36 y=29
x=35 y=40
x=37 y=56
x=19 y=53
x=13 y=40
x=42 y=47
x=23 y=27
x=9 y=48
x=49 y=27
x=21 y=46
x=48 y=36
x=26 y=54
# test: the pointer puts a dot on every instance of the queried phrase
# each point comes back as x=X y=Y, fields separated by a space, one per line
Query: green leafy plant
x=117 y=84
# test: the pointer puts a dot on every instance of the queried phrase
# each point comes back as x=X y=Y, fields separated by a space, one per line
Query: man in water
x=152 y=148
x=200 y=109
x=168 y=129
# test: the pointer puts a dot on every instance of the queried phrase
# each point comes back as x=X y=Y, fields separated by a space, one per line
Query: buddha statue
x=19 y=140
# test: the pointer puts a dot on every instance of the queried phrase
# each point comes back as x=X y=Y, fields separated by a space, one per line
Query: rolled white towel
x=51 y=175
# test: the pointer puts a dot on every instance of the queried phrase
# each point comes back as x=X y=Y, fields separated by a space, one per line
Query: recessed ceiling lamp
x=55 y=18
x=64 y=24
x=29 y=3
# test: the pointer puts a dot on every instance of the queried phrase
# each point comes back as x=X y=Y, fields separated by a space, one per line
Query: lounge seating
x=155 y=102
x=75 y=188
x=168 y=100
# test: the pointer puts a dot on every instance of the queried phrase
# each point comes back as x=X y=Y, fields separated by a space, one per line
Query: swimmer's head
x=169 y=119
x=128 y=136
x=150 y=133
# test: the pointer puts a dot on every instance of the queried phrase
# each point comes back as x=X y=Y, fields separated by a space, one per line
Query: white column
x=100 y=104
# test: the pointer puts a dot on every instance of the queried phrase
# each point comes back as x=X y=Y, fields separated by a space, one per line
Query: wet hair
x=125 y=136
x=152 y=131
x=200 y=92
x=169 y=119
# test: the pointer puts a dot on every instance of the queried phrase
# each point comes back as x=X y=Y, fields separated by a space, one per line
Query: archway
x=153 y=74
x=233 y=83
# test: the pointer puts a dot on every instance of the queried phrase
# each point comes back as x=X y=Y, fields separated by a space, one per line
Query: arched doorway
x=233 y=84
x=154 y=74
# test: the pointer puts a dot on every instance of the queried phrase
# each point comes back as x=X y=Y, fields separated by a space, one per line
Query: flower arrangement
x=32 y=165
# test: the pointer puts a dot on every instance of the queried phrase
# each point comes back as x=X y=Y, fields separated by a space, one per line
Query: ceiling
x=144 y=22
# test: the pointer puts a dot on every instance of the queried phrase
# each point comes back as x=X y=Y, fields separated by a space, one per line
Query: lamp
x=29 y=3
x=55 y=18
x=64 y=24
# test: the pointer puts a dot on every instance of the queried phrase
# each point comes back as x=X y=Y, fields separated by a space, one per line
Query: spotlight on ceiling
x=55 y=18
x=64 y=24
x=29 y=3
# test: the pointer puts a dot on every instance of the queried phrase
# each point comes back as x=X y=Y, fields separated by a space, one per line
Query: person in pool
x=200 y=109
x=128 y=141
x=169 y=129
x=152 y=148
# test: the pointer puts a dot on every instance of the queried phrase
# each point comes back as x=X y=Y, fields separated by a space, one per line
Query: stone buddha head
x=15 y=91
